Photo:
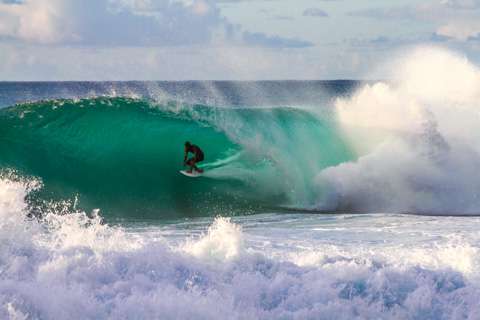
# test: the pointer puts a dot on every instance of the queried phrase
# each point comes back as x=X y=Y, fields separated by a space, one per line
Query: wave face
x=123 y=155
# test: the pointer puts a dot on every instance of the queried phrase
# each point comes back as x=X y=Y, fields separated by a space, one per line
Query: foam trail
x=418 y=137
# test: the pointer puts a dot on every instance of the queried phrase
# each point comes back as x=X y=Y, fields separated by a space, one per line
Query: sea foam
x=74 y=266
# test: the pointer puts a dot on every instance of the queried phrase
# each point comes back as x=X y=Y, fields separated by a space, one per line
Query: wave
x=123 y=155
x=409 y=145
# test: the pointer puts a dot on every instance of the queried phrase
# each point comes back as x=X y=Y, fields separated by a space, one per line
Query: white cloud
x=34 y=21
x=110 y=22
x=453 y=19
x=460 y=29
x=148 y=23
x=195 y=39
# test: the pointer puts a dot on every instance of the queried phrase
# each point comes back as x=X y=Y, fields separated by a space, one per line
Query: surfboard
x=192 y=174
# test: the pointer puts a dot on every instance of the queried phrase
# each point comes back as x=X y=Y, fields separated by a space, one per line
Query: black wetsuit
x=198 y=153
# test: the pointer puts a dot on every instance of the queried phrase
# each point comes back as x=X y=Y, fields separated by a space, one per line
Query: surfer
x=197 y=157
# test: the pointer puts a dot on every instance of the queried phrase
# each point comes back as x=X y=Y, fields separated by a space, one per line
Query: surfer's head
x=187 y=145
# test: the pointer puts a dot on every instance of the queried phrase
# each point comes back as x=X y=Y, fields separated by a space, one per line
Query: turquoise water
x=123 y=155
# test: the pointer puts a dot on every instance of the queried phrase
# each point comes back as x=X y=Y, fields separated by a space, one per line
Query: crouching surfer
x=197 y=157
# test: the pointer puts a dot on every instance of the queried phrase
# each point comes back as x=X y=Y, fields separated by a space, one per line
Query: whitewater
x=321 y=200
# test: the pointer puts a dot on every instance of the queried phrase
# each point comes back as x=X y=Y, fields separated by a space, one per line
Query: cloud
x=36 y=21
x=314 y=12
x=436 y=11
x=383 y=42
x=261 y=39
x=454 y=19
x=104 y=23
x=460 y=30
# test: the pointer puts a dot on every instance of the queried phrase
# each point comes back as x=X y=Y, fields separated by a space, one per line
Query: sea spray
x=418 y=140
x=223 y=241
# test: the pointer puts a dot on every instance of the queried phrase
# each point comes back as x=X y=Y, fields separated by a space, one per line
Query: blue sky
x=224 y=39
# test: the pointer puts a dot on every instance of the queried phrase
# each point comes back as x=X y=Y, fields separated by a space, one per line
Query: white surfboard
x=192 y=174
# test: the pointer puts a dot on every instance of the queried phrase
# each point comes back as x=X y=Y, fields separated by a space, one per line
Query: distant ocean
x=320 y=199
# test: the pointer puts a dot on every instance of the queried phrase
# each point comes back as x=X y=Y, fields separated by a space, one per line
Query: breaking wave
x=123 y=155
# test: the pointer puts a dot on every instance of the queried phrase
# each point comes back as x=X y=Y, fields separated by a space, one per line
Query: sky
x=46 y=40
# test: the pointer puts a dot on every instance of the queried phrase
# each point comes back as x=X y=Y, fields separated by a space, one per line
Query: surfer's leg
x=194 y=167
x=197 y=168
x=191 y=164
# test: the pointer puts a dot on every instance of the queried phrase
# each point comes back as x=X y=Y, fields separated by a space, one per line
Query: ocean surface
x=320 y=199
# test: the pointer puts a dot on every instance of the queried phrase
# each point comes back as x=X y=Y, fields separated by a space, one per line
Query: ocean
x=320 y=199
